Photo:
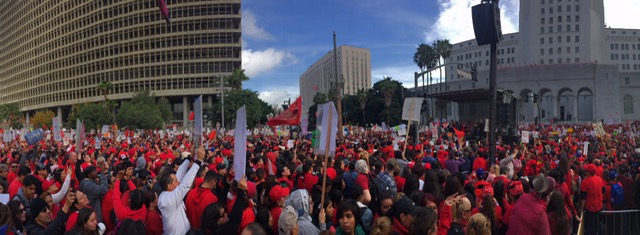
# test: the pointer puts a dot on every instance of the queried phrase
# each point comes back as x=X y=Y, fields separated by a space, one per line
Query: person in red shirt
x=154 y=219
x=199 y=198
x=277 y=195
x=17 y=182
x=284 y=174
x=308 y=180
x=13 y=172
x=363 y=180
x=529 y=216
x=591 y=198
x=136 y=209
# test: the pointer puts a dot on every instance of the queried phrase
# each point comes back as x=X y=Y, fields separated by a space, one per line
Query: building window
x=542 y=11
x=550 y=10
x=577 y=28
x=550 y=29
x=568 y=50
x=616 y=46
x=550 y=51
x=550 y=61
x=577 y=18
x=568 y=8
x=612 y=57
x=559 y=50
x=577 y=38
x=542 y=41
x=559 y=39
x=577 y=60
x=559 y=19
x=568 y=28
x=568 y=18
x=550 y=20
x=559 y=9
x=612 y=46
x=568 y=38
x=628 y=104
x=577 y=50
x=541 y=51
x=542 y=20
x=577 y=7
x=627 y=81
x=550 y=40
x=559 y=28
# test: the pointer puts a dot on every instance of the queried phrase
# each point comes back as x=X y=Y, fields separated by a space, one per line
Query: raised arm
x=60 y=195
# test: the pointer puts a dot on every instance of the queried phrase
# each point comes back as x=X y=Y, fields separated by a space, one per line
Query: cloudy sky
x=282 y=38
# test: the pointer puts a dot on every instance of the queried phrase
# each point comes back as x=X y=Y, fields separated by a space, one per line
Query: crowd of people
x=373 y=184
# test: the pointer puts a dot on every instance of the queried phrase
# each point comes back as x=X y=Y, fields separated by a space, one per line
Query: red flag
x=212 y=135
x=163 y=10
x=291 y=116
x=191 y=116
x=459 y=133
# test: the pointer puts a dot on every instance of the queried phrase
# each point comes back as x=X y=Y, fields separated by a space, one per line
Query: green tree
x=257 y=109
x=42 y=119
x=236 y=79
x=361 y=95
x=442 y=50
x=142 y=112
x=318 y=98
x=93 y=115
x=11 y=113
x=377 y=113
x=104 y=87
x=388 y=87
x=165 y=108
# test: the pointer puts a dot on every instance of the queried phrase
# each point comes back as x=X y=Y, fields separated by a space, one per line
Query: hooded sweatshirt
x=299 y=200
x=197 y=200
x=124 y=212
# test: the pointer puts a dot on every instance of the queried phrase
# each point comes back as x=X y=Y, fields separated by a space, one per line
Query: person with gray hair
x=363 y=180
x=301 y=201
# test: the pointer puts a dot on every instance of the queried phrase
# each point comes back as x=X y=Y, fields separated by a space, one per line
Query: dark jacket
x=95 y=192
x=55 y=227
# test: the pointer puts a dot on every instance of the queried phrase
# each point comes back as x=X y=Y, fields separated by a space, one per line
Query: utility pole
x=222 y=97
x=338 y=87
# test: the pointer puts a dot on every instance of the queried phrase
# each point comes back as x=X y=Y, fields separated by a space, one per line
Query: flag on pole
x=459 y=133
x=240 y=143
x=79 y=135
x=326 y=129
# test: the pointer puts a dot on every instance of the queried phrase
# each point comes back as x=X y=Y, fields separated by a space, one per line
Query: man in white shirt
x=175 y=187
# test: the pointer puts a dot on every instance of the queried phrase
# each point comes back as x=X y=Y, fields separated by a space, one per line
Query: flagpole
x=326 y=156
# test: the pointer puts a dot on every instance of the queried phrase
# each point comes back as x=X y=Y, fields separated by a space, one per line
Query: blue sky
x=282 y=38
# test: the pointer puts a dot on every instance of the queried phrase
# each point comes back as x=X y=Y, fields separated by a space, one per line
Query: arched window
x=628 y=104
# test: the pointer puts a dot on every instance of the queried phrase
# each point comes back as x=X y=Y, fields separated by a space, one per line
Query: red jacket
x=398 y=228
x=124 y=212
x=107 y=207
x=154 y=223
x=198 y=199
x=275 y=215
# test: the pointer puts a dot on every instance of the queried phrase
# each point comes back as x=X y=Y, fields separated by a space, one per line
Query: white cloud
x=251 y=29
x=622 y=14
x=276 y=96
x=260 y=62
x=455 y=22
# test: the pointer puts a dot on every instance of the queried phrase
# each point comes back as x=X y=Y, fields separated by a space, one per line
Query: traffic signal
x=474 y=73
x=535 y=98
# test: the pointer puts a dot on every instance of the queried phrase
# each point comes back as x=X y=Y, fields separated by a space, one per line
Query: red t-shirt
x=592 y=187
x=363 y=181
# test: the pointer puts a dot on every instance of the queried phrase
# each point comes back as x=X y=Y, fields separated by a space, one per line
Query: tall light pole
x=338 y=86
x=222 y=98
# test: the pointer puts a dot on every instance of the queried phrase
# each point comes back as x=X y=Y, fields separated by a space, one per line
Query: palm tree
x=362 y=99
x=387 y=86
x=104 y=87
x=443 y=51
x=320 y=98
x=236 y=79
x=11 y=113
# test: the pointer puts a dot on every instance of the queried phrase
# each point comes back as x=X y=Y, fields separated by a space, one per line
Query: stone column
x=555 y=101
x=185 y=111
x=575 y=109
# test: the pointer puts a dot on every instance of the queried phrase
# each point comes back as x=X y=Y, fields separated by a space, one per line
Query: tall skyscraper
x=53 y=54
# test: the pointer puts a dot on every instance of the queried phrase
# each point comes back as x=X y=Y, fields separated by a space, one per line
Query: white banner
x=326 y=128
x=57 y=125
x=240 y=144
x=525 y=137
x=197 y=121
x=411 y=109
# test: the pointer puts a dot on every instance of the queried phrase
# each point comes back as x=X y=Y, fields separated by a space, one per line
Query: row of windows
x=128 y=87
x=559 y=9
x=510 y=50
x=568 y=39
x=559 y=50
x=560 y=61
x=577 y=19
x=625 y=57
x=558 y=1
x=559 y=29
x=628 y=66
x=622 y=46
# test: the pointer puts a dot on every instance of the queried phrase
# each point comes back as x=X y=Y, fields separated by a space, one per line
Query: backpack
x=617 y=195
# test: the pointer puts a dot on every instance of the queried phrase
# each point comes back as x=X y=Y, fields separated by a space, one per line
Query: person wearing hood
x=199 y=198
x=301 y=202
x=136 y=209
x=95 y=189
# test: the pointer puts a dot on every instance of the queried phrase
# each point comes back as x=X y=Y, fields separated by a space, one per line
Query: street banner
x=327 y=129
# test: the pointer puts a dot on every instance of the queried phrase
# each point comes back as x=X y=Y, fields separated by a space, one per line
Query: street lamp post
x=222 y=98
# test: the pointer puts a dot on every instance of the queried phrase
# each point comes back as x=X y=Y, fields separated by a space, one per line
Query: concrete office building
x=354 y=66
x=581 y=69
x=53 y=54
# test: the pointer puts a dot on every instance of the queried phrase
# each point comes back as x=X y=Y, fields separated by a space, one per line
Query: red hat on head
x=278 y=192
x=411 y=165
x=46 y=184
x=427 y=166
x=251 y=189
